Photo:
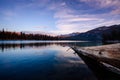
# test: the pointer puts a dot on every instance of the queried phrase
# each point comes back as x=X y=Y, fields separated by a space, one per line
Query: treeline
x=8 y=35
x=113 y=34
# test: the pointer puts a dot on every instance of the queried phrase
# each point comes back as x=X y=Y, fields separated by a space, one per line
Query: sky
x=58 y=16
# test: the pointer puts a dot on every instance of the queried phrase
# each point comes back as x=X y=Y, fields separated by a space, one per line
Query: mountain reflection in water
x=43 y=61
x=23 y=44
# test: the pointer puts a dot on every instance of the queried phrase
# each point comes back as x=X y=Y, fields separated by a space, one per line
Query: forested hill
x=99 y=34
x=8 y=35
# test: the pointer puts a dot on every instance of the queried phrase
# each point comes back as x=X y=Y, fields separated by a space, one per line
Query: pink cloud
x=41 y=27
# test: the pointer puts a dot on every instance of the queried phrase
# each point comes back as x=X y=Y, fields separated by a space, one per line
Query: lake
x=43 y=60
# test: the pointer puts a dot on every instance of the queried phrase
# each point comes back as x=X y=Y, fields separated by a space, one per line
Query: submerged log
x=105 y=59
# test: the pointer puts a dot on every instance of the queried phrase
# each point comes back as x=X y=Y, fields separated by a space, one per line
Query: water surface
x=43 y=60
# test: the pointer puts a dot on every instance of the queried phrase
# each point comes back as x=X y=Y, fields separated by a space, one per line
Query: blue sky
x=58 y=16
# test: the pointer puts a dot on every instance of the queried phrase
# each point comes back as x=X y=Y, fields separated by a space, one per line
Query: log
x=107 y=56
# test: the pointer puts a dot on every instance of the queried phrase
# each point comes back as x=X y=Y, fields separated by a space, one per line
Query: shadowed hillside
x=99 y=34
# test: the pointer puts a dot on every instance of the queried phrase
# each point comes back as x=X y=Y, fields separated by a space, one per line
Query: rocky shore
x=105 y=55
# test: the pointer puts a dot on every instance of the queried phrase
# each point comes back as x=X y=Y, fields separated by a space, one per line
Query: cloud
x=32 y=4
x=68 y=21
x=115 y=11
x=108 y=23
x=75 y=24
x=70 y=15
x=102 y=3
x=71 y=19
x=41 y=27
x=78 y=19
x=111 y=5
x=8 y=14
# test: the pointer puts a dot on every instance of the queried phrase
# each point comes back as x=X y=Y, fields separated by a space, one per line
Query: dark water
x=40 y=60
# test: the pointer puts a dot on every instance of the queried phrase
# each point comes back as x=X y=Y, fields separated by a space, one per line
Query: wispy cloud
x=102 y=3
x=67 y=15
x=75 y=24
x=8 y=14
x=111 y=5
x=70 y=20
x=41 y=27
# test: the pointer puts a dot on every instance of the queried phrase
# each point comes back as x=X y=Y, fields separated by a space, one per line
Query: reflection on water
x=43 y=61
x=21 y=44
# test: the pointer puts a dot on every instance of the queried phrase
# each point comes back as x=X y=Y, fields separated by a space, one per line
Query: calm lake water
x=43 y=60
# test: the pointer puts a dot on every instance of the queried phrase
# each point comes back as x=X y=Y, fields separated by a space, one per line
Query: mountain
x=96 y=34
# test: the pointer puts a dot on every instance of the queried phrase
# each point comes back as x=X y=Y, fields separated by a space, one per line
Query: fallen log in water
x=103 y=60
